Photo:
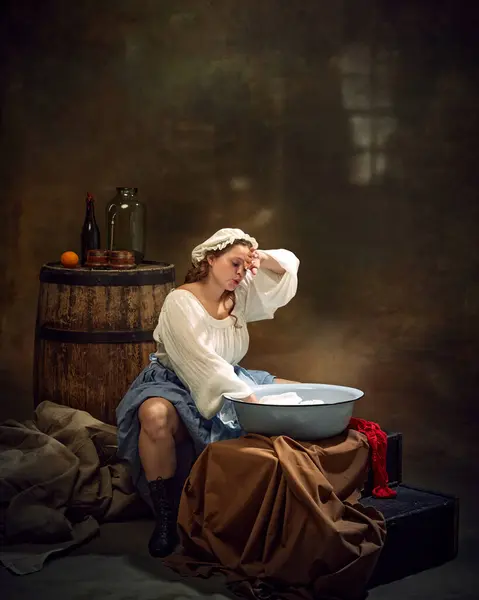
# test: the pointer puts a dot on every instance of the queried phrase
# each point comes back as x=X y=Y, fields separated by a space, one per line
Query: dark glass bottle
x=90 y=234
x=126 y=221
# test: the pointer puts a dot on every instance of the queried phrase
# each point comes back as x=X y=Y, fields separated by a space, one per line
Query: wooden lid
x=146 y=273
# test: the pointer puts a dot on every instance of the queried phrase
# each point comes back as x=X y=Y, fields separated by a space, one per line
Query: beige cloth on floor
x=281 y=518
x=57 y=470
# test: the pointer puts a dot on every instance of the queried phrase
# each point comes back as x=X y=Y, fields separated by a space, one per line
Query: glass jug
x=126 y=223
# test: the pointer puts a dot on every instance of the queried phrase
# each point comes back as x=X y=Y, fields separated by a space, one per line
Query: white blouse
x=202 y=350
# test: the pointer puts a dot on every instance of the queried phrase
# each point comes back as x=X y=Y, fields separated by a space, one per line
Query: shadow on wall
x=344 y=134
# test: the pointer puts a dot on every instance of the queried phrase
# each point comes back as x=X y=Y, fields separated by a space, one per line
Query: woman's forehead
x=239 y=251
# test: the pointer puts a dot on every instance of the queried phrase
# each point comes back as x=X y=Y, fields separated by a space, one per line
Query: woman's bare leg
x=161 y=428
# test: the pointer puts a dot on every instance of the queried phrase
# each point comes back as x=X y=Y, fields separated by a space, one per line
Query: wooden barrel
x=94 y=333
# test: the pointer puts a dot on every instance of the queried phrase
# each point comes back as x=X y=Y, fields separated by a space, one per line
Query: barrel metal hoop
x=94 y=337
x=132 y=277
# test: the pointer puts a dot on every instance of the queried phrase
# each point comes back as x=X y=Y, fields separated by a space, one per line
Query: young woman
x=177 y=404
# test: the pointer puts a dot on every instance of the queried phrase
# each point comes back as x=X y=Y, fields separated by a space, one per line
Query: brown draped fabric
x=281 y=518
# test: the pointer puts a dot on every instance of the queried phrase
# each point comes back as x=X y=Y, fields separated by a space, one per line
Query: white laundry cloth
x=287 y=399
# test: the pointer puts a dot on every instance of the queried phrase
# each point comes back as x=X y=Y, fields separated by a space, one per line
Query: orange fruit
x=69 y=259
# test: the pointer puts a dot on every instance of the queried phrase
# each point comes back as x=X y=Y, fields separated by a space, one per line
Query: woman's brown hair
x=201 y=270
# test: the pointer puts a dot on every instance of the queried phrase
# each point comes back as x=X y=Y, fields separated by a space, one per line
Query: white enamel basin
x=302 y=422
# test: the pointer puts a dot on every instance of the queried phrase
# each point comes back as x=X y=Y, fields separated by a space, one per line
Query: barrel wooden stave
x=93 y=378
x=79 y=308
x=93 y=340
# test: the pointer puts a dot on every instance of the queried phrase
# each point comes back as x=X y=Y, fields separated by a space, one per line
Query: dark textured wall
x=342 y=130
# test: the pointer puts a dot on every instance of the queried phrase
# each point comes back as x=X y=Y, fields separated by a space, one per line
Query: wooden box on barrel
x=94 y=333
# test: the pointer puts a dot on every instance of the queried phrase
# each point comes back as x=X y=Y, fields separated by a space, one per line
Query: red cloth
x=378 y=441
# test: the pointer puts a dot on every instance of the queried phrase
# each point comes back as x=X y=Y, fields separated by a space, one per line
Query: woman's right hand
x=251 y=399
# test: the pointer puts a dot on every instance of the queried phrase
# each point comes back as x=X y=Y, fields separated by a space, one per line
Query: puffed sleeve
x=186 y=338
x=262 y=294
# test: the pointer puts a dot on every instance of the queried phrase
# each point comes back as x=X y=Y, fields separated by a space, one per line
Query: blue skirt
x=158 y=381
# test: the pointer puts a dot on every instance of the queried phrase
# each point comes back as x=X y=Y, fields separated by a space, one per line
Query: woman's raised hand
x=253 y=262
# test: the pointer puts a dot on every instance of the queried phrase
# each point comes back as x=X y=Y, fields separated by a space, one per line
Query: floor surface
x=116 y=563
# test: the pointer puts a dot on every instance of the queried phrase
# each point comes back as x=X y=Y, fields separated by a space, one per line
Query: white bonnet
x=218 y=241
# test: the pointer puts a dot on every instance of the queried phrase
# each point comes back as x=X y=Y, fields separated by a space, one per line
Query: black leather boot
x=164 y=538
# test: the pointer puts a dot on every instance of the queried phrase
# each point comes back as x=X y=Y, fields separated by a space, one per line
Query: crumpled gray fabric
x=57 y=470
x=24 y=559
